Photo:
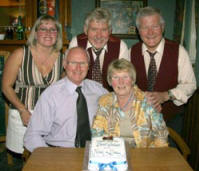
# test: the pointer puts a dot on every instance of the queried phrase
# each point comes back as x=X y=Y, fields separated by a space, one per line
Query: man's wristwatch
x=171 y=96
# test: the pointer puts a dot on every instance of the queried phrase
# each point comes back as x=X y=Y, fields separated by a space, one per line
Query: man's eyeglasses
x=45 y=30
x=74 y=64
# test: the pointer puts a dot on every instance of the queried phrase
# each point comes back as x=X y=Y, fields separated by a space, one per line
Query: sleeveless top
x=30 y=83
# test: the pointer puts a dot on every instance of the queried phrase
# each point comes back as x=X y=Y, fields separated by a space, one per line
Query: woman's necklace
x=123 y=109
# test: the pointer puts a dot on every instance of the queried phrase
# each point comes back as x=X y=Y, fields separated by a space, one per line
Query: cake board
x=86 y=156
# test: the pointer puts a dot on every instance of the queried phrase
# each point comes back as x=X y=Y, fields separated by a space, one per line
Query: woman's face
x=121 y=83
x=47 y=34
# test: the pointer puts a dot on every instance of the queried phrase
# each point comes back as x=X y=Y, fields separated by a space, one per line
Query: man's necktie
x=83 y=128
x=152 y=72
x=96 y=72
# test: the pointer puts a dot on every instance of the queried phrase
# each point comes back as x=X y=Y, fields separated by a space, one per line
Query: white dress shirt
x=186 y=77
x=123 y=50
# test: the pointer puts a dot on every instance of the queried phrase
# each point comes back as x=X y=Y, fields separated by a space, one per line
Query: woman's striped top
x=30 y=83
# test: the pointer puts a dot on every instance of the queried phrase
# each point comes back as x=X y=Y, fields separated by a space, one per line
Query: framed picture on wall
x=123 y=15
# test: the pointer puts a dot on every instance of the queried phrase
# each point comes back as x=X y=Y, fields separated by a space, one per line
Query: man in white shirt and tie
x=55 y=118
x=175 y=80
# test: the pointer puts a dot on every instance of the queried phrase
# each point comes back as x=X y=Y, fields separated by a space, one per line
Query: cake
x=107 y=154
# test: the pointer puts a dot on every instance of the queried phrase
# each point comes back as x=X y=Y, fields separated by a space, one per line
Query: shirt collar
x=71 y=86
x=90 y=46
x=159 y=49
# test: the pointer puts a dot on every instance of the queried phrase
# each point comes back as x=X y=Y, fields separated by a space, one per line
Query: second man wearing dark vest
x=174 y=80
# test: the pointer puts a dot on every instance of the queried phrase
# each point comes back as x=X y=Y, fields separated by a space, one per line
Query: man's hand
x=156 y=99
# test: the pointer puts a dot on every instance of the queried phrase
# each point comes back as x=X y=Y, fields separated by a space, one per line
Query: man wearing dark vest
x=101 y=45
x=163 y=68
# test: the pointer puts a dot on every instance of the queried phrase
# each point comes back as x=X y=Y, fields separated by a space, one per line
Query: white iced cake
x=107 y=155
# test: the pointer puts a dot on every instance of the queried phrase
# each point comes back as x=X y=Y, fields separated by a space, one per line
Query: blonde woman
x=28 y=71
x=126 y=113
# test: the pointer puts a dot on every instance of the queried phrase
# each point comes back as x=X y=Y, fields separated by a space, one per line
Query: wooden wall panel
x=8 y=3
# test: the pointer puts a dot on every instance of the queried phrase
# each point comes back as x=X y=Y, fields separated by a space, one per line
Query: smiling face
x=46 y=33
x=98 y=33
x=76 y=65
x=151 y=31
x=121 y=82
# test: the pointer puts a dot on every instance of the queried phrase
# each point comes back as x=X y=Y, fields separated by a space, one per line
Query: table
x=71 y=159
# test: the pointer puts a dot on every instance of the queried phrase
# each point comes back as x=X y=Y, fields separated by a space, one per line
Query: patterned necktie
x=83 y=128
x=152 y=72
x=96 y=72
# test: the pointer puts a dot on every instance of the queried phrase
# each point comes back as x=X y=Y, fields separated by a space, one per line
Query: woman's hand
x=25 y=116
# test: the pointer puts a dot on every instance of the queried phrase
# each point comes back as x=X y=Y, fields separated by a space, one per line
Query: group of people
x=134 y=94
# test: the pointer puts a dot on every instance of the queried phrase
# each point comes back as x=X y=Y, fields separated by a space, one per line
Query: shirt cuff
x=171 y=96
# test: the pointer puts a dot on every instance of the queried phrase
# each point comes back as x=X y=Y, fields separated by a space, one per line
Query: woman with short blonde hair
x=126 y=113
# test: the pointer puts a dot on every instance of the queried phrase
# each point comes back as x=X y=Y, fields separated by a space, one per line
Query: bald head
x=76 y=64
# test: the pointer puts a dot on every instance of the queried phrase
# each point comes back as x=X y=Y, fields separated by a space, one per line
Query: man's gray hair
x=148 y=11
x=99 y=14
x=68 y=50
